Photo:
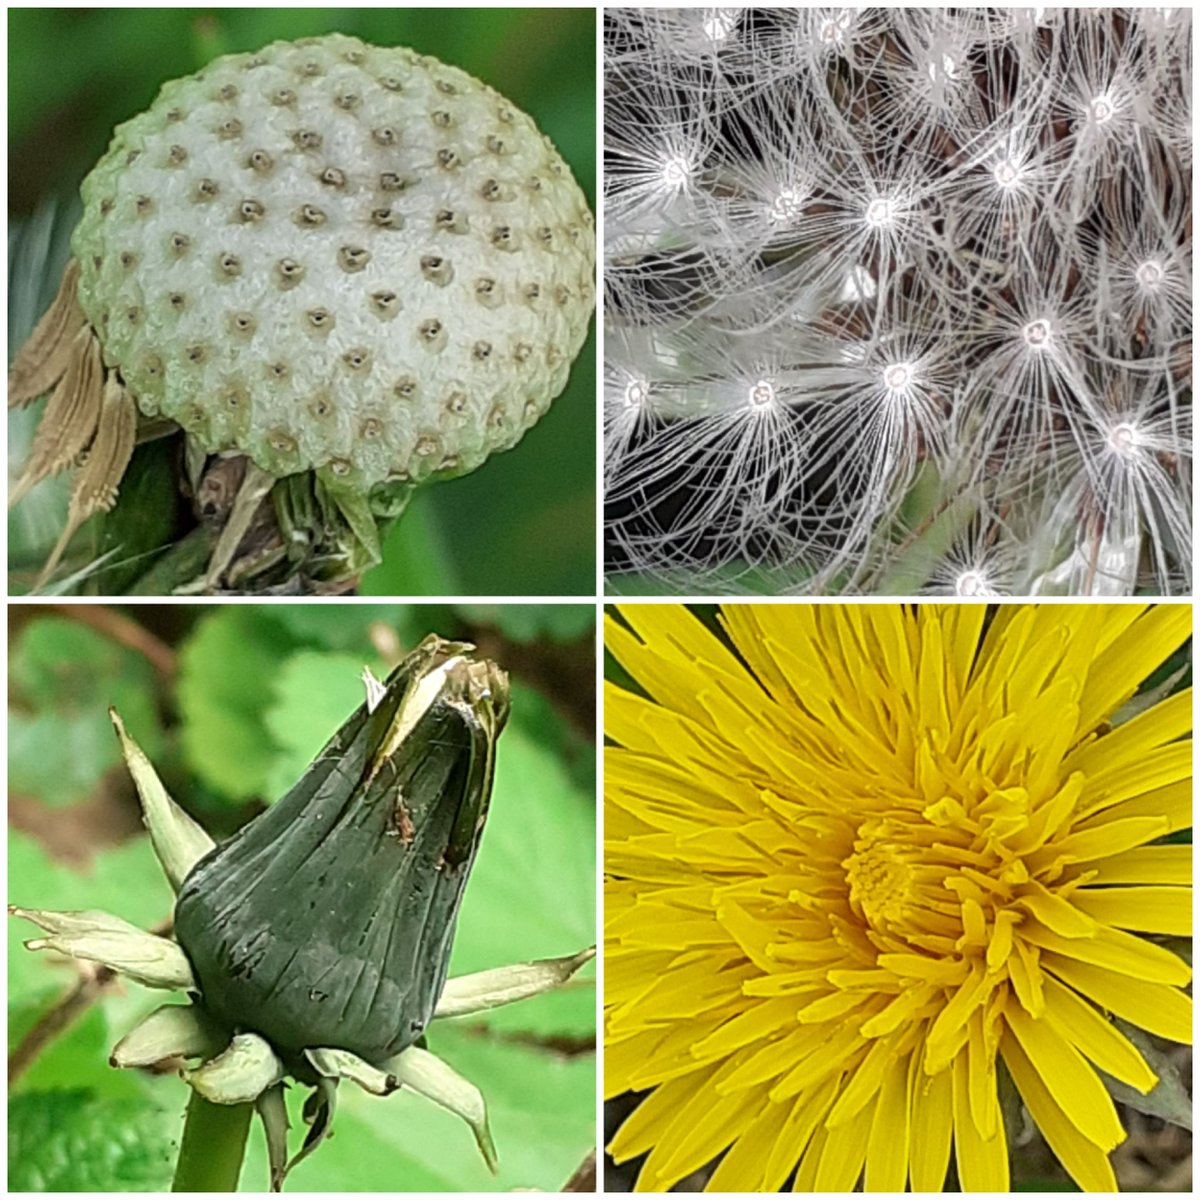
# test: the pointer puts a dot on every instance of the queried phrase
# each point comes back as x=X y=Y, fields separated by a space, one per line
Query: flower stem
x=214 y=1141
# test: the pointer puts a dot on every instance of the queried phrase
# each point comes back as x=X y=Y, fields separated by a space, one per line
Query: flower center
x=635 y=394
x=884 y=878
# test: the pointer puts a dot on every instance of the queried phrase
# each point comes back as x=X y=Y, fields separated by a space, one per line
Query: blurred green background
x=524 y=524
x=231 y=702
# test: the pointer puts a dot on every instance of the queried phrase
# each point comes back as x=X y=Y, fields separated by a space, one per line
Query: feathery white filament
x=903 y=275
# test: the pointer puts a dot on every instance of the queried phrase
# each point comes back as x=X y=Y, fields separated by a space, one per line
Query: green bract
x=314 y=944
x=328 y=920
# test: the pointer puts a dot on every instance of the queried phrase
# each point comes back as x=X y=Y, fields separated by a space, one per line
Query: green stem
x=214 y=1141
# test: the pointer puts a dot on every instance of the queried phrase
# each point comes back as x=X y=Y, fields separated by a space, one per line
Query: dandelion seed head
x=947 y=68
x=1124 y=439
x=762 y=394
x=1036 y=334
x=676 y=172
x=1006 y=173
x=972 y=583
x=998 y=199
x=787 y=206
x=636 y=394
x=881 y=212
x=1102 y=109
x=859 y=285
x=833 y=29
x=1150 y=274
x=898 y=377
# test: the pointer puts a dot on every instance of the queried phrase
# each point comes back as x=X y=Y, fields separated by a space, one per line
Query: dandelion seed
x=1003 y=196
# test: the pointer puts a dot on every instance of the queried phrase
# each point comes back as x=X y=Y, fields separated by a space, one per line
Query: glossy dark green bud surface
x=328 y=920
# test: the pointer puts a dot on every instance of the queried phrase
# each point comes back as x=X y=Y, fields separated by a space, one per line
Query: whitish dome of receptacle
x=333 y=255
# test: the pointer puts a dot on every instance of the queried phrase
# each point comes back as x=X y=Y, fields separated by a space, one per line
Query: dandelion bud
x=328 y=920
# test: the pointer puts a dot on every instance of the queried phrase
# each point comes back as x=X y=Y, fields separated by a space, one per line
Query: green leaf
x=63 y=678
x=312 y=695
x=72 y=1141
x=79 y=1057
x=417 y=559
x=527 y=622
x=343 y=626
x=141 y=523
x=532 y=892
x=227 y=673
x=126 y=881
x=542 y=1112
x=1168 y=1099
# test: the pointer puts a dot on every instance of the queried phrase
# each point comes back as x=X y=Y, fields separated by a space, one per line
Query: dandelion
x=866 y=861
x=1006 y=191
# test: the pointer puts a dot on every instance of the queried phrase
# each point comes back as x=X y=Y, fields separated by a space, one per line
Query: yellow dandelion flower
x=866 y=856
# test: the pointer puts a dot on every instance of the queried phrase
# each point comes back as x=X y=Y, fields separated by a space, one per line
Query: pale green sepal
x=318 y=1112
x=178 y=841
x=173 y=1031
x=342 y=1064
x=240 y=1074
x=505 y=985
x=101 y=937
x=355 y=510
x=1144 y=701
x=273 y=1110
x=425 y=1073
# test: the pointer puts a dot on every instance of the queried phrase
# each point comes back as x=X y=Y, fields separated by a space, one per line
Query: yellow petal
x=1101 y=842
x=761 y=1020
x=743 y=1167
x=1158 y=725
x=1075 y=1087
x=864 y=1083
x=1079 y=1023
x=1085 y=1162
x=650 y=1120
x=1118 y=671
x=843 y=1154
x=1136 y=776
x=1145 y=864
x=932 y=1125
x=702 y=1128
x=887 y=1147
x=1154 y=1007
x=1171 y=806
x=805 y=1124
x=1144 y=909
x=1116 y=951
x=1055 y=912
x=982 y=1162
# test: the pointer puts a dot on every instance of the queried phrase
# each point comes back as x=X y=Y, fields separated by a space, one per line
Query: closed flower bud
x=328 y=920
